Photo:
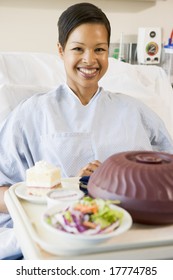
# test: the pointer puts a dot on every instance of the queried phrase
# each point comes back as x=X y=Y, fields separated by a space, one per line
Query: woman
x=78 y=125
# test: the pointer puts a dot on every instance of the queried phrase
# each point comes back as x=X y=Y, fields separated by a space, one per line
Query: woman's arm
x=3 y=208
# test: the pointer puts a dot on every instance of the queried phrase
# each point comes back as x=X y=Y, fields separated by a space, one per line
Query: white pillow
x=25 y=74
x=38 y=69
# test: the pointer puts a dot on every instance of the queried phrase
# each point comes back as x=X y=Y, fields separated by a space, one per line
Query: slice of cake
x=42 y=177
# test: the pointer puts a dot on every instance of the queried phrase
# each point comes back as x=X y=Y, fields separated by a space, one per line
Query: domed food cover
x=141 y=180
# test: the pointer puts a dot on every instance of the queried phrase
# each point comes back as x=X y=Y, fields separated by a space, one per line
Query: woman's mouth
x=88 y=72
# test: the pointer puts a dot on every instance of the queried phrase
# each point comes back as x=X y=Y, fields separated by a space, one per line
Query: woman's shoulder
x=128 y=102
x=33 y=106
x=38 y=99
x=121 y=97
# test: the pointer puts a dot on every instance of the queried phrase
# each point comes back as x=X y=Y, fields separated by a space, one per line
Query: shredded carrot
x=89 y=224
x=87 y=208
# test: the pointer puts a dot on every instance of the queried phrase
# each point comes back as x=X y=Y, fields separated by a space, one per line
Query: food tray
x=137 y=243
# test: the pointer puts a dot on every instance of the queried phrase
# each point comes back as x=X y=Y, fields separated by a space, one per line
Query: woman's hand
x=89 y=168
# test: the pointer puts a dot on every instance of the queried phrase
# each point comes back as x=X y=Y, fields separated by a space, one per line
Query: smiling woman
x=84 y=37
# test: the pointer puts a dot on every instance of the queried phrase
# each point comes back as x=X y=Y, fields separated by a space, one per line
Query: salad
x=87 y=216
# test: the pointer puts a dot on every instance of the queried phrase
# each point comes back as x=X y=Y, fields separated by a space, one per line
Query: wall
x=31 y=25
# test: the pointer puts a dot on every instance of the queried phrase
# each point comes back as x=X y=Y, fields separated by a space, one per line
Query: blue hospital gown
x=57 y=128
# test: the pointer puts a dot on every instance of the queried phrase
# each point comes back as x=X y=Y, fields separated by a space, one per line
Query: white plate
x=21 y=190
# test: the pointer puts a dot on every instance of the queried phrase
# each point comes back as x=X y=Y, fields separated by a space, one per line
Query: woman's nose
x=89 y=57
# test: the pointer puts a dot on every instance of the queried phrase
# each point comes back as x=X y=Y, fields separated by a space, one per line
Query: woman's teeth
x=88 y=71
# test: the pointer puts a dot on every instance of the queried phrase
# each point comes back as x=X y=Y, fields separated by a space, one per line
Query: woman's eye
x=77 y=49
x=99 y=50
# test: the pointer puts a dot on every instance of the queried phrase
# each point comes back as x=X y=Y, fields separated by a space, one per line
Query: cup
x=64 y=197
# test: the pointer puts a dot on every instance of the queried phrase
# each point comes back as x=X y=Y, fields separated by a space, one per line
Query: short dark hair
x=78 y=14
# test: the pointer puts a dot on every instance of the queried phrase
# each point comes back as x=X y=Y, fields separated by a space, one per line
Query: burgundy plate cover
x=141 y=180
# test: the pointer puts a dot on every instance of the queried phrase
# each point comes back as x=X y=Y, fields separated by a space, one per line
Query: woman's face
x=85 y=57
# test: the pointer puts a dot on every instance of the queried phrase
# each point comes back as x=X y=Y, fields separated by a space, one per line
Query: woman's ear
x=60 y=50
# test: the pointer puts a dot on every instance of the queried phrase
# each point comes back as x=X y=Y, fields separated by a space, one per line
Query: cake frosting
x=42 y=177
